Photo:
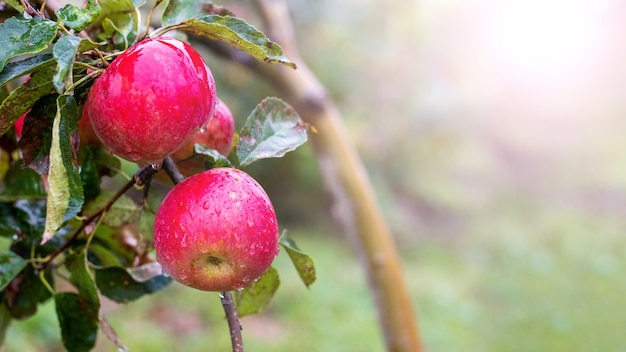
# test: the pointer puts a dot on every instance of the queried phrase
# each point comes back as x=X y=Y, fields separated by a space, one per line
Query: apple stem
x=172 y=170
x=233 y=321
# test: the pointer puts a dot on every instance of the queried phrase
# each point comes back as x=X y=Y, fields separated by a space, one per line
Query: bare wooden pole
x=356 y=205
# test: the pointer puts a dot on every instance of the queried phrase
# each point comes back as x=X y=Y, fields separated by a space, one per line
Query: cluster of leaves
x=70 y=238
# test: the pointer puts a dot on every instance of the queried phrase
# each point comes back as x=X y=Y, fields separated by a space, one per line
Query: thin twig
x=233 y=321
x=140 y=178
x=172 y=170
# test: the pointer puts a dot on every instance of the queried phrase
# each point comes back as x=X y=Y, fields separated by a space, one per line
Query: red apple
x=19 y=125
x=85 y=130
x=216 y=231
x=151 y=99
x=218 y=134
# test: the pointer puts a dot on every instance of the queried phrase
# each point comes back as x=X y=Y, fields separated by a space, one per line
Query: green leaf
x=77 y=18
x=20 y=68
x=303 y=263
x=78 y=313
x=23 y=297
x=78 y=319
x=272 y=130
x=119 y=16
x=212 y=156
x=258 y=295
x=64 y=52
x=178 y=11
x=123 y=211
x=21 y=183
x=20 y=36
x=11 y=265
x=76 y=264
x=15 y=4
x=23 y=97
x=236 y=33
x=125 y=285
x=65 y=195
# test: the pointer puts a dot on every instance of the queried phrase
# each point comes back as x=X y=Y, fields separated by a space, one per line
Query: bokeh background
x=494 y=134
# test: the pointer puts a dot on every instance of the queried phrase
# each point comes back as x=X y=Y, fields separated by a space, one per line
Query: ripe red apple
x=216 y=231
x=151 y=100
x=218 y=134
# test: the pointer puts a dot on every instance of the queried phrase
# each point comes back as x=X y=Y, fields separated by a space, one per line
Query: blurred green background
x=493 y=132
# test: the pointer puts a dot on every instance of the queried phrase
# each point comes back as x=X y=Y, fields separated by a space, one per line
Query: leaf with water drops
x=273 y=129
x=303 y=262
x=256 y=296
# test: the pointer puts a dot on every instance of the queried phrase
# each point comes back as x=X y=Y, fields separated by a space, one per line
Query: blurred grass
x=508 y=284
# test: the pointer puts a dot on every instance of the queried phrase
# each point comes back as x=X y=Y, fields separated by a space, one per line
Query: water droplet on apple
x=203 y=129
x=206 y=205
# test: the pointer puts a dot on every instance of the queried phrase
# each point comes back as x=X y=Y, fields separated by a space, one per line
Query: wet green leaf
x=21 y=183
x=304 y=263
x=178 y=11
x=78 y=319
x=20 y=36
x=23 y=97
x=78 y=18
x=11 y=264
x=65 y=196
x=20 y=68
x=258 y=295
x=64 y=51
x=272 y=130
x=212 y=156
x=238 y=34
x=125 y=285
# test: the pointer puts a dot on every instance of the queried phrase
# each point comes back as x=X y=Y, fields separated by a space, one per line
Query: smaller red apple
x=218 y=133
x=216 y=231
x=19 y=125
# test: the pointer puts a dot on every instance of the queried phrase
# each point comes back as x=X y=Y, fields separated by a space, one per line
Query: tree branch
x=355 y=203
x=233 y=321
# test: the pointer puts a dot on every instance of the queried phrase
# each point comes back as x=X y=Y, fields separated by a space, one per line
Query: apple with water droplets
x=151 y=100
x=216 y=231
x=218 y=133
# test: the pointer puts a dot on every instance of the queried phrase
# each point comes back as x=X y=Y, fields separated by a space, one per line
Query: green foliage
x=237 y=33
x=272 y=130
x=60 y=217
x=10 y=266
x=65 y=197
x=20 y=35
x=255 y=297
x=303 y=262
x=128 y=284
x=77 y=18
